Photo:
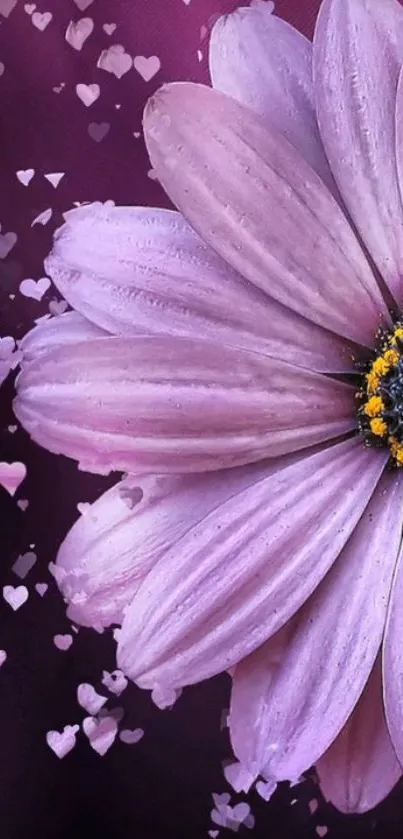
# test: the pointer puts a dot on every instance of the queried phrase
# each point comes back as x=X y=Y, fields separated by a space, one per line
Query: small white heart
x=15 y=597
x=62 y=743
x=25 y=176
x=63 y=642
x=115 y=60
x=35 y=288
x=89 y=699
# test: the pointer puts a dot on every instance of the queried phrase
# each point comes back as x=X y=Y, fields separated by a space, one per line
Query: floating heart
x=98 y=130
x=62 y=743
x=89 y=699
x=12 y=475
x=266 y=789
x=3 y=657
x=41 y=21
x=35 y=288
x=25 y=176
x=41 y=588
x=22 y=566
x=109 y=28
x=63 y=642
x=116 y=681
x=54 y=178
x=7 y=6
x=83 y=4
x=147 y=67
x=15 y=597
x=78 y=32
x=131 y=737
x=88 y=93
x=321 y=830
x=7 y=242
x=29 y=8
x=115 y=60
x=101 y=733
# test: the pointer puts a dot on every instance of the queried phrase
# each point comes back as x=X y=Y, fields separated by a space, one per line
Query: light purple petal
x=285 y=713
x=163 y=404
x=135 y=270
x=358 y=51
x=399 y=131
x=393 y=662
x=361 y=768
x=240 y=574
x=69 y=328
x=266 y=64
x=118 y=539
x=254 y=199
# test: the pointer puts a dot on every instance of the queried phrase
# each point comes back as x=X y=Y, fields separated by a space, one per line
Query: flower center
x=380 y=415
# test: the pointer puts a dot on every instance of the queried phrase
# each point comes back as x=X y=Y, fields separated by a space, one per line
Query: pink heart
x=147 y=67
x=101 y=733
x=98 y=130
x=15 y=597
x=41 y=21
x=7 y=6
x=109 y=28
x=35 y=288
x=62 y=743
x=89 y=699
x=115 y=60
x=83 y=4
x=88 y=93
x=41 y=588
x=63 y=642
x=116 y=681
x=3 y=657
x=12 y=475
x=7 y=242
x=24 y=563
x=131 y=737
x=78 y=32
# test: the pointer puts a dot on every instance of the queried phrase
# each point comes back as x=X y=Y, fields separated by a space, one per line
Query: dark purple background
x=162 y=786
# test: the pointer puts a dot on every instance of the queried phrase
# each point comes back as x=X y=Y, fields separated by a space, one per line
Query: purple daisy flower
x=232 y=357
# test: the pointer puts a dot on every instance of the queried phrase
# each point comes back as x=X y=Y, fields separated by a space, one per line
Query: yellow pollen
x=373 y=382
x=396 y=449
x=380 y=366
x=378 y=427
x=391 y=357
x=374 y=406
x=398 y=333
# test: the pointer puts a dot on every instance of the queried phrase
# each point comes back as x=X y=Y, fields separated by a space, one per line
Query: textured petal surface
x=393 y=662
x=358 y=51
x=118 y=539
x=172 y=404
x=135 y=270
x=236 y=578
x=266 y=64
x=67 y=329
x=361 y=768
x=254 y=199
x=285 y=715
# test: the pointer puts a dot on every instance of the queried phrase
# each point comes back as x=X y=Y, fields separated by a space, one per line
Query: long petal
x=135 y=270
x=254 y=199
x=358 y=51
x=118 y=539
x=67 y=329
x=284 y=716
x=236 y=578
x=361 y=768
x=266 y=64
x=393 y=662
x=163 y=404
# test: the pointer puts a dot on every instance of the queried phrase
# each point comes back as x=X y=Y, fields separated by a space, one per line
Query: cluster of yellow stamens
x=384 y=384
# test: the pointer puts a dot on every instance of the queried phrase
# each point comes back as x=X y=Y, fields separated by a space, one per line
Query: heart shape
x=12 y=475
x=147 y=67
x=131 y=737
x=41 y=21
x=15 y=597
x=88 y=93
x=89 y=699
x=7 y=242
x=63 y=742
x=101 y=733
x=98 y=130
x=78 y=32
x=35 y=289
x=115 y=60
